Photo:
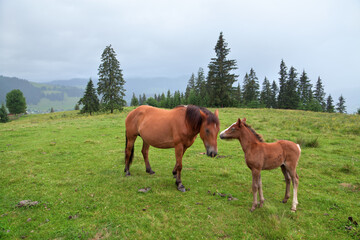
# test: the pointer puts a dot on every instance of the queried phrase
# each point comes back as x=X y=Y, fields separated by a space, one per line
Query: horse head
x=209 y=130
x=233 y=132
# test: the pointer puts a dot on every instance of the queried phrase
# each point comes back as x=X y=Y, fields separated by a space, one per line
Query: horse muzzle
x=211 y=152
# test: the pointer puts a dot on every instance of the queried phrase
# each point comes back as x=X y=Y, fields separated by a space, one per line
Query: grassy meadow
x=73 y=166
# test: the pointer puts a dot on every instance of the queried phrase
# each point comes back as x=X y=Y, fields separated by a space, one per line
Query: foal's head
x=209 y=130
x=239 y=129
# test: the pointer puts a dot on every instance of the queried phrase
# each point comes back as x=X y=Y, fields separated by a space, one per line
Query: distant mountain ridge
x=64 y=94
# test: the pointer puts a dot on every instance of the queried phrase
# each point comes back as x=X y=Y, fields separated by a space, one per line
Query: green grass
x=73 y=165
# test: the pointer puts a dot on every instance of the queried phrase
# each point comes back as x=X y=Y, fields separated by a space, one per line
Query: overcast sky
x=44 y=40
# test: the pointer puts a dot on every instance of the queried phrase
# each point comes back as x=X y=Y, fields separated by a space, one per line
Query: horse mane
x=193 y=117
x=258 y=136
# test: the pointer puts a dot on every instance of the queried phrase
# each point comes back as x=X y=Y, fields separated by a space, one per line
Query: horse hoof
x=181 y=188
x=150 y=171
x=284 y=201
x=127 y=174
x=293 y=210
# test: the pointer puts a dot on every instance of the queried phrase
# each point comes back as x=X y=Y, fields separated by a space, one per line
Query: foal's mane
x=193 y=117
x=258 y=136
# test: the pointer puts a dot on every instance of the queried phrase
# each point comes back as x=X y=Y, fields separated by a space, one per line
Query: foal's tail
x=132 y=151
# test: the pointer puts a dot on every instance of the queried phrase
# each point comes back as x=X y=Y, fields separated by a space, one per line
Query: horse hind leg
x=145 y=153
x=295 y=181
x=129 y=154
x=287 y=180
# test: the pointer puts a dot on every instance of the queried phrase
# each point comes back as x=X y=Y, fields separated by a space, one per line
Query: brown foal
x=266 y=156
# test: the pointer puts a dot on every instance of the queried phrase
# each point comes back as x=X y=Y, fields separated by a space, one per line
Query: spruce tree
x=177 y=99
x=237 y=96
x=251 y=89
x=274 y=93
x=220 y=79
x=265 y=96
x=111 y=81
x=340 y=106
x=134 y=101
x=200 y=87
x=319 y=93
x=190 y=86
x=282 y=100
x=291 y=94
x=305 y=92
x=329 y=105
x=89 y=100
x=3 y=114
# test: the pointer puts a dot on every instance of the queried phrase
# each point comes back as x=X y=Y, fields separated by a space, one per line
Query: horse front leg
x=261 y=195
x=255 y=187
x=174 y=172
x=179 y=152
x=145 y=153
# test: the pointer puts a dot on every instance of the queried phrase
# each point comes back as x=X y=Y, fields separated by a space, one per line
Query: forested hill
x=35 y=92
x=64 y=94
x=32 y=94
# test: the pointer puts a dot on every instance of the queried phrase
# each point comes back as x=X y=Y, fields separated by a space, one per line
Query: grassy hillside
x=39 y=97
x=73 y=166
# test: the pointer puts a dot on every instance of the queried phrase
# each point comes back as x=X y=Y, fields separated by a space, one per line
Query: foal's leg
x=255 y=187
x=179 y=152
x=129 y=154
x=295 y=181
x=145 y=153
x=261 y=195
x=287 y=180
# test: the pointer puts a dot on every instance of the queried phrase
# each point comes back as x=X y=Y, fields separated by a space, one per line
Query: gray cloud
x=46 y=40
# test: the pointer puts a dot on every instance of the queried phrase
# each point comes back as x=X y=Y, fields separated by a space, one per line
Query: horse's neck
x=247 y=139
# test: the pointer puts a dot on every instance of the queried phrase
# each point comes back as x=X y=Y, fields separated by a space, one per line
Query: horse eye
x=233 y=128
x=207 y=130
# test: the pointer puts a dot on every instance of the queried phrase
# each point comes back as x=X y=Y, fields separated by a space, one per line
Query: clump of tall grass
x=308 y=142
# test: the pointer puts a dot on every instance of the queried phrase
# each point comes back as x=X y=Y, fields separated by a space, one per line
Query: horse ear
x=203 y=115
x=216 y=112
x=238 y=122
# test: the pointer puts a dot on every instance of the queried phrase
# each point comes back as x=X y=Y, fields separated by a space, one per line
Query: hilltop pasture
x=73 y=165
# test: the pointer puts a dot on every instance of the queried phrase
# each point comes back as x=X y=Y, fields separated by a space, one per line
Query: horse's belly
x=157 y=140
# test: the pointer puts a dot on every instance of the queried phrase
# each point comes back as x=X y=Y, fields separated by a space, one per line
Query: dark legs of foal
x=290 y=174
x=287 y=180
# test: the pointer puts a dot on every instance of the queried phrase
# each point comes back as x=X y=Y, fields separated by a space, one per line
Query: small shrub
x=308 y=143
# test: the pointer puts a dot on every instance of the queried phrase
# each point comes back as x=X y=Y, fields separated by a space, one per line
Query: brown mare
x=266 y=156
x=176 y=128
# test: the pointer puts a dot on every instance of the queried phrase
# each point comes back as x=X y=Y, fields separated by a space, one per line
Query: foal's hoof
x=181 y=188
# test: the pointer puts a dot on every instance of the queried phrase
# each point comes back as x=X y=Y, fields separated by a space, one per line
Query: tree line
x=294 y=90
